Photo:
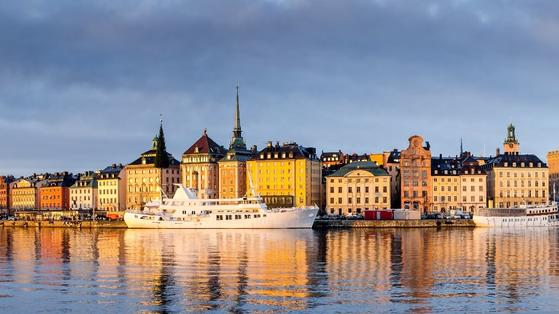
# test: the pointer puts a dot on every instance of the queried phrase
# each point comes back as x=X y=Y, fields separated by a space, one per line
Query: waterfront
x=398 y=270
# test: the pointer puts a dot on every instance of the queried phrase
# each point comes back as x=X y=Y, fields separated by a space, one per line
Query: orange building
x=5 y=192
x=200 y=168
x=415 y=167
x=55 y=194
x=232 y=167
x=553 y=165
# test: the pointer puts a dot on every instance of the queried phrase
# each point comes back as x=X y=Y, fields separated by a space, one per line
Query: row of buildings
x=284 y=175
x=414 y=179
x=289 y=174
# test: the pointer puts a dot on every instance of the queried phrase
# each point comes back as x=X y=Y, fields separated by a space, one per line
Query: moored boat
x=528 y=216
x=186 y=211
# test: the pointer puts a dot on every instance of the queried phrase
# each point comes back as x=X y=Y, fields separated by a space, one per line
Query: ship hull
x=301 y=218
x=550 y=220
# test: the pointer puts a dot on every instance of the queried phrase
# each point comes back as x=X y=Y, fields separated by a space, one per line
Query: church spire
x=461 y=147
x=237 y=141
x=237 y=129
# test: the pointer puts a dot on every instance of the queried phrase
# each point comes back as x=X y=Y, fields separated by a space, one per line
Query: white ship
x=186 y=211
x=528 y=216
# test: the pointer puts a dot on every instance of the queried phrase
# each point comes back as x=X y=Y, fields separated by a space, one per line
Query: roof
x=285 y=151
x=368 y=166
x=516 y=161
x=112 y=169
x=149 y=158
x=205 y=145
x=445 y=166
x=394 y=157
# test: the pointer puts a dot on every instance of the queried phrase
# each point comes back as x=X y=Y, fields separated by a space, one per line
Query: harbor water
x=55 y=270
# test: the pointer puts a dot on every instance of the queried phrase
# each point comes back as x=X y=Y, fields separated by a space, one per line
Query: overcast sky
x=82 y=83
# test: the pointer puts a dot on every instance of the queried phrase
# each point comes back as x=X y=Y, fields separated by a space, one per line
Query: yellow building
x=514 y=179
x=286 y=175
x=146 y=182
x=445 y=182
x=199 y=166
x=111 y=186
x=473 y=188
x=357 y=187
x=232 y=167
x=25 y=192
x=377 y=158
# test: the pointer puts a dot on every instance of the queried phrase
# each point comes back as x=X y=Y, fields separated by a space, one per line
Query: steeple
x=161 y=157
x=237 y=141
x=511 y=144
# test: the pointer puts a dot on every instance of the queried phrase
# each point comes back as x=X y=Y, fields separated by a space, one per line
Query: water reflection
x=420 y=270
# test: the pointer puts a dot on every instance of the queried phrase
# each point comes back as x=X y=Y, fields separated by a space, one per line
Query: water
x=419 y=270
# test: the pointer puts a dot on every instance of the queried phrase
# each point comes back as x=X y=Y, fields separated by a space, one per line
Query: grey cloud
x=357 y=75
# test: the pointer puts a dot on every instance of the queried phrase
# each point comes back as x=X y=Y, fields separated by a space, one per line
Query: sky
x=83 y=83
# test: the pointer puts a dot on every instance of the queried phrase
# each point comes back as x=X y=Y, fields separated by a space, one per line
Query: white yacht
x=527 y=216
x=186 y=211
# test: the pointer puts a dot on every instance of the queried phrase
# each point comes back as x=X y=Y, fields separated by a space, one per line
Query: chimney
x=498 y=152
x=269 y=144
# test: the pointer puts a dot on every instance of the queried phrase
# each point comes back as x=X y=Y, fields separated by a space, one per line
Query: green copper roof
x=368 y=166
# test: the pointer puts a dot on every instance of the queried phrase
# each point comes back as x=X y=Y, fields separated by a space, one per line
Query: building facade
x=458 y=183
x=514 y=179
x=415 y=169
x=357 y=187
x=232 y=168
x=55 y=193
x=145 y=182
x=391 y=163
x=445 y=181
x=5 y=192
x=83 y=193
x=25 y=192
x=473 y=186
x=553 y=166
x=200 y=168
x=286 y=175
x=111 y=189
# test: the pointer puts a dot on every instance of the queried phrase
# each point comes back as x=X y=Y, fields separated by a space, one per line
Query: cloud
x=91 y=78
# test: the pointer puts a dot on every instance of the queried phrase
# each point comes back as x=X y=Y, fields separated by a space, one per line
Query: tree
x=161 y=157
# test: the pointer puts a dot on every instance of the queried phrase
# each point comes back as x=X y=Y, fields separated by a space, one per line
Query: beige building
x=286 y=175
x=445 y=181
x=111 y=187
x=25 y=192
x=146 y=182
x=514 y=179
x=357 y=187
x=458 y=183
x=83 y=193
x=232 y=168
x=199 y=166
x=415 y=168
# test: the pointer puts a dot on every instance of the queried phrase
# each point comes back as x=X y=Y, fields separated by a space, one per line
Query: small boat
x=527 y=216
x=186 y=211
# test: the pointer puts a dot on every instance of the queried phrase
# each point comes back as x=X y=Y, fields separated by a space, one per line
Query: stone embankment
x=427 y=223
x=63 y=224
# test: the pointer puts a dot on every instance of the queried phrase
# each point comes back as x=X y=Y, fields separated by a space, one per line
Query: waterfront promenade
x=319 y=224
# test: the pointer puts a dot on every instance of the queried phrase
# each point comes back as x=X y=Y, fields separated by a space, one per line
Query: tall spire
x=237 y=129
x=237 y=141
x=461 y=147
x=161 y=158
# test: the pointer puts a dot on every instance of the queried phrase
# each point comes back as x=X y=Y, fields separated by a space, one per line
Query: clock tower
x=511 y=145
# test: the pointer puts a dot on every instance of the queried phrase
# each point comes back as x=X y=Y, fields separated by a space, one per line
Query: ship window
x=228 y=217
x=237 y=216
x=219 y=217
x=256 y=216
x=247 y=216
x=193 y=212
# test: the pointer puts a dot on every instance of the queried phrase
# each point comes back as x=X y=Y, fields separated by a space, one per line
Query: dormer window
x=261 y=156
x=506 y=164
x=514 y=164
x=196 y=150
